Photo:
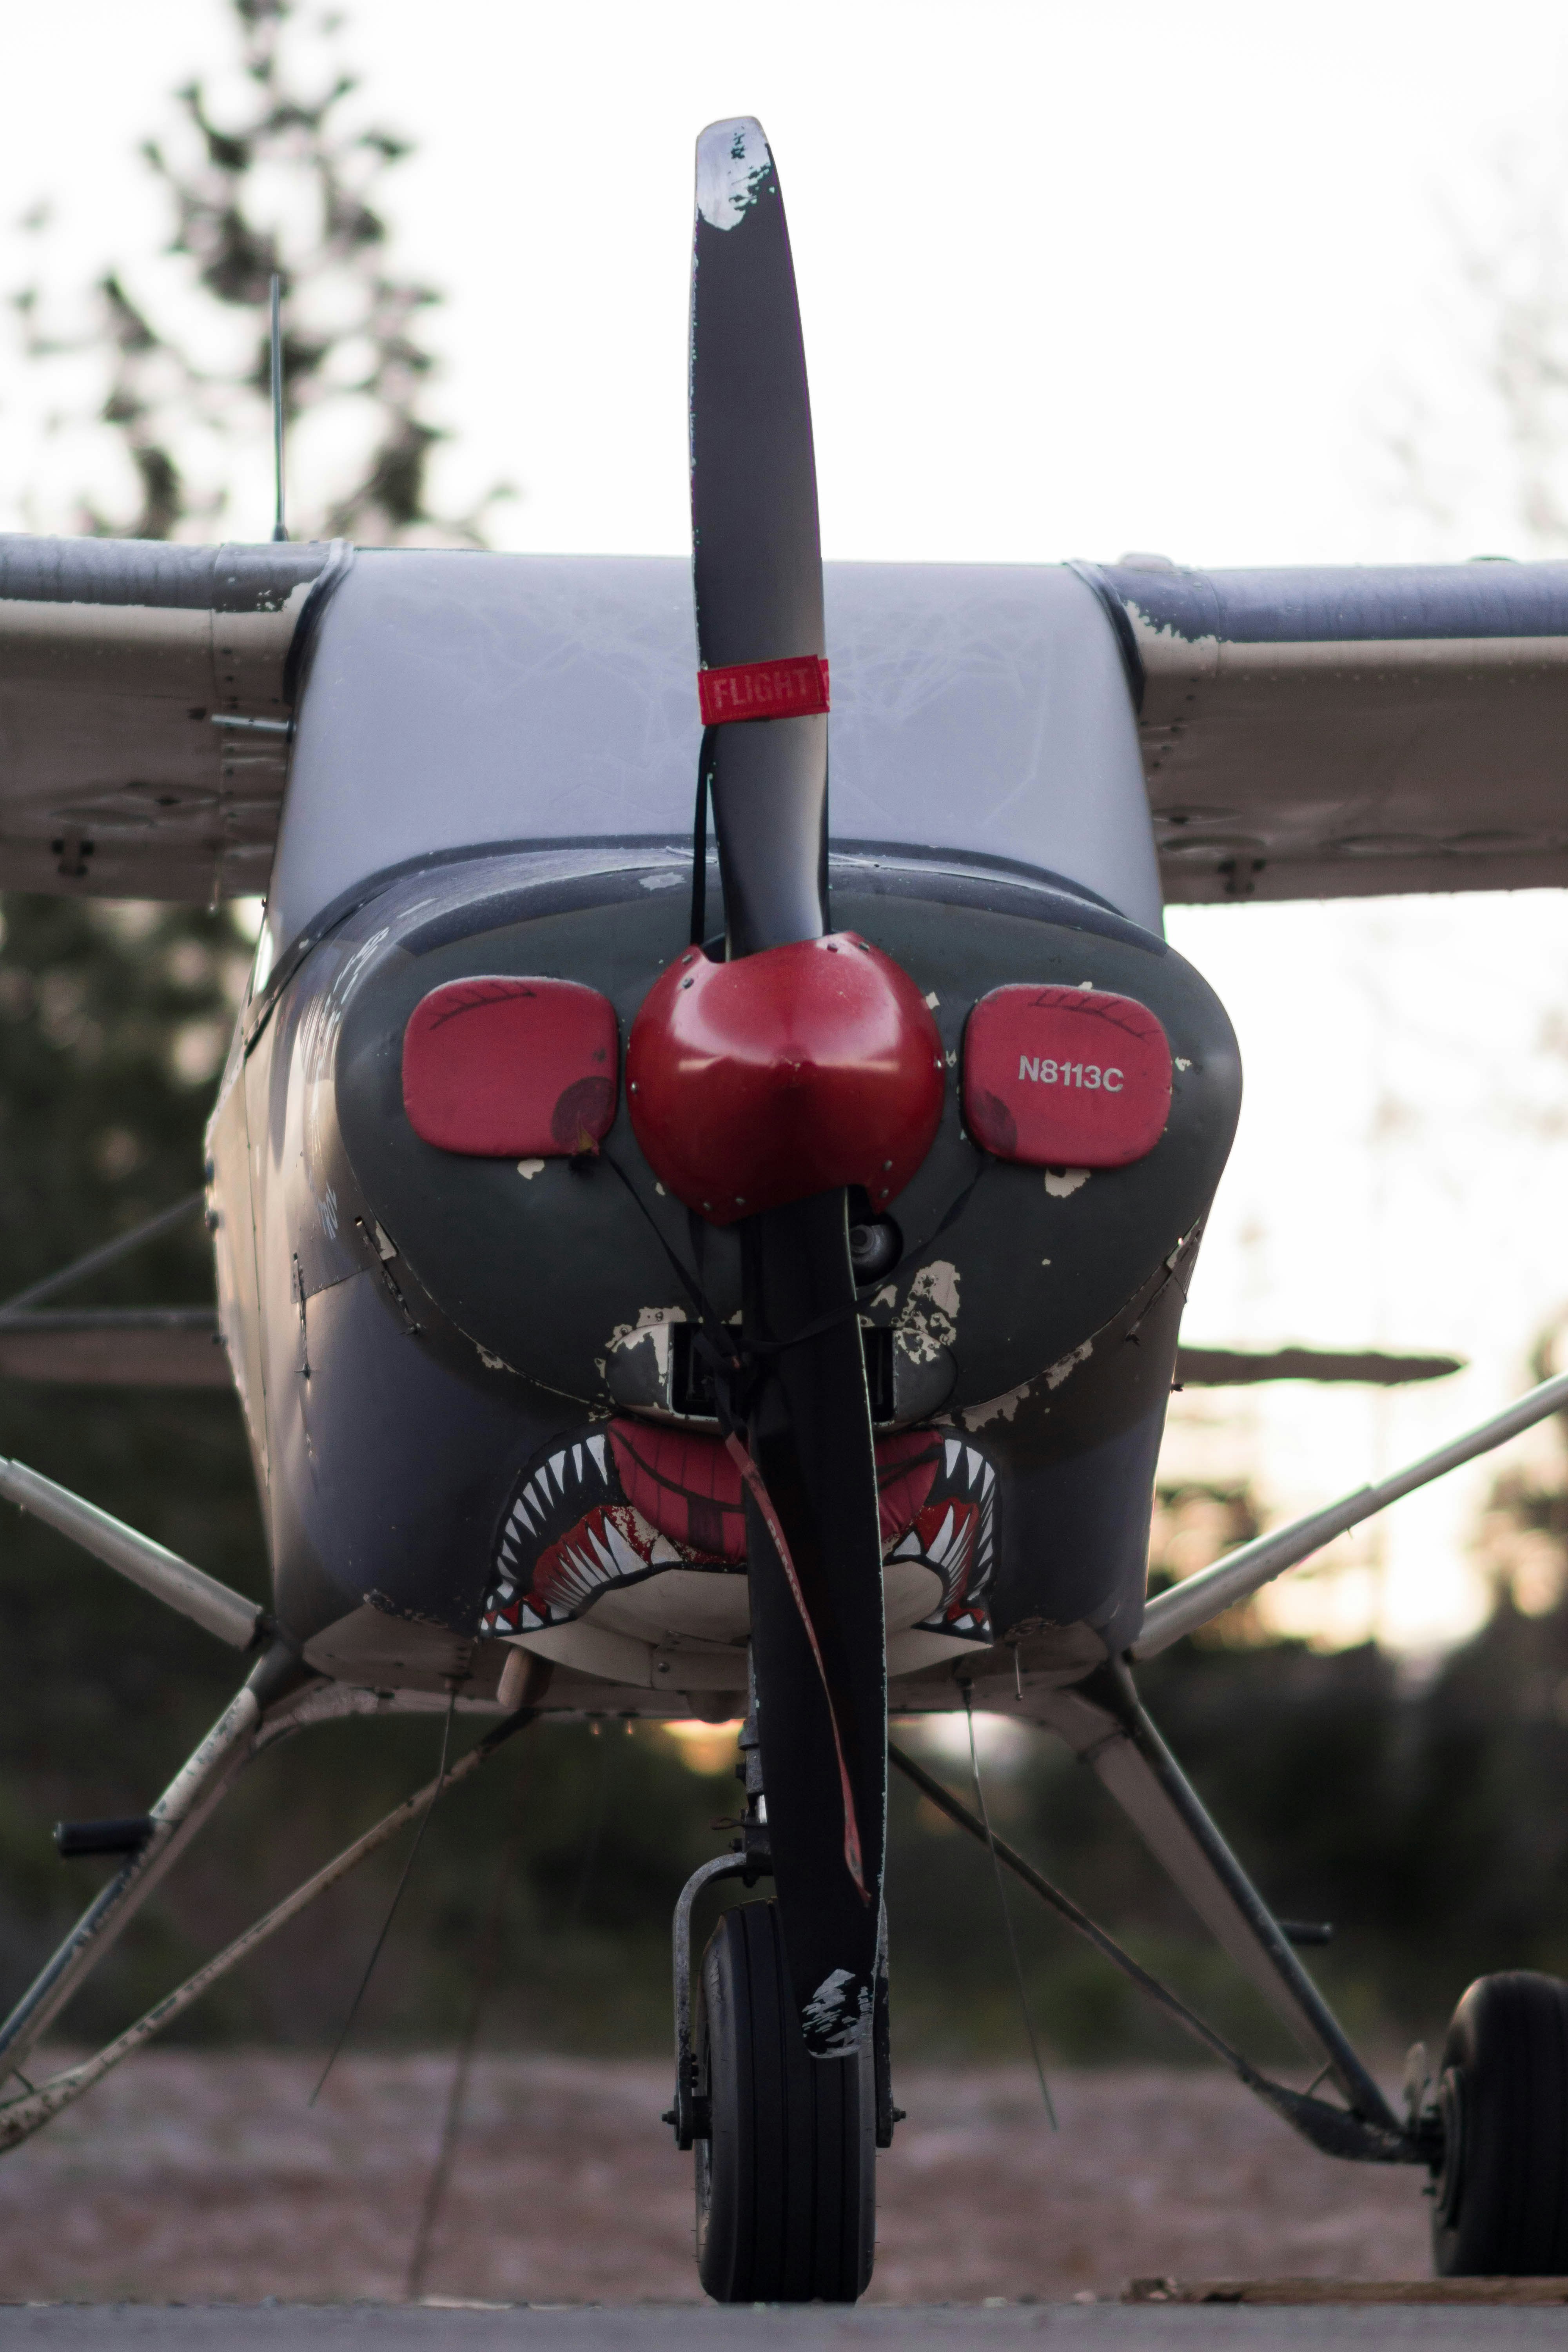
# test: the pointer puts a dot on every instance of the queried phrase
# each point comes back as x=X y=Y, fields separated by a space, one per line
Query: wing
x=116 y=1347
x=1229 y=1368
x=1305 y=733
x=145 y=697
x=1341 y=733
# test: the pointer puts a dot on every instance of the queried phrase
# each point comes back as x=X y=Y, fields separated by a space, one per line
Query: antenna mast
x=278 y=531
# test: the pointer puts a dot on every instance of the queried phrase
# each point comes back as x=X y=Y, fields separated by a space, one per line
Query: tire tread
x=790 y=2207
x=1508 y=2047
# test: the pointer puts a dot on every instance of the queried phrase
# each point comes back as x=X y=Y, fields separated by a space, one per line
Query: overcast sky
x=1075 y=280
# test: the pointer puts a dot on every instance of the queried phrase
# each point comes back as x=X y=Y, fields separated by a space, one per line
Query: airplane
x=731 y=1265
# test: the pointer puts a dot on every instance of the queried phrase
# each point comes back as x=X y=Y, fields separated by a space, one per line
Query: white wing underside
x=116 y=657
x=1347 y=733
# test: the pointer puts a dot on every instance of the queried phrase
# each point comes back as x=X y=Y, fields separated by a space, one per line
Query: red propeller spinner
x=802 y=1068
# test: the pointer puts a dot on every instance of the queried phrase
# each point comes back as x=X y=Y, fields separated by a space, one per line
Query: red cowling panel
x=511 y=1069
x=1065 y=1077
x=785 y=1074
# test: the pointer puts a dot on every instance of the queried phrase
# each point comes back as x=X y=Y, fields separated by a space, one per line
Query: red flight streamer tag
x=796 y=689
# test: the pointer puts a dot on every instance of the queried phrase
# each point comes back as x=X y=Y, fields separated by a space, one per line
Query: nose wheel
x=786 y=2173
x=786 y=2144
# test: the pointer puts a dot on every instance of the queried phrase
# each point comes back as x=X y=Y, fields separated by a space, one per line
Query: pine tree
x=276 y=170
x=113 y=1019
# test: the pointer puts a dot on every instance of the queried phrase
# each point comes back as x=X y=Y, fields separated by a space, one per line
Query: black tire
x=786 y=2209
x=1501 y=2208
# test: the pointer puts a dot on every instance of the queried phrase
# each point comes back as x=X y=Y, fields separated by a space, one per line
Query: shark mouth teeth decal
x=608 y=1509
x=939 y=1507
x=624 y=1501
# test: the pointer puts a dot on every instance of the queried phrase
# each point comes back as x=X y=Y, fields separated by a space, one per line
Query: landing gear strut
x=786 y=2144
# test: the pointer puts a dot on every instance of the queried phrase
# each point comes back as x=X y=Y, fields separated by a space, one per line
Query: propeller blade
x=756 y=557
x=811 y=1485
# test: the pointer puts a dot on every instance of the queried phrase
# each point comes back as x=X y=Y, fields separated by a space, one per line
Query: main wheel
x=1502 y=2195
x=786 y=2204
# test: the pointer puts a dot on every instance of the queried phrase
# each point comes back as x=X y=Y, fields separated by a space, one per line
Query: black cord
x=730 y=1356
x=396 y=1899
x=950 y=1215
x=1006 y=1914
x=699 y=841
x=486 y=1970
x=706 y=1317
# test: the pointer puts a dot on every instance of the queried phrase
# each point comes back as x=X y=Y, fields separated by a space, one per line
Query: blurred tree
x=1522 y=1543
x=1474 y=439
x=113 y=1019
x=277 y=170
x=1192 y=1523
x=112 y=1022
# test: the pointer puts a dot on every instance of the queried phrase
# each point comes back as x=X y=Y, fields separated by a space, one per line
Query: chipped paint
x=1182 y=1064
x=1155 y=637
x=733 y=165
x=933 y=1000
x=834 y=2020
x=928 y=1319
x=923 y=1377
x=1058 y=1372
x=654 y=1319
x=1002 y=1408
x=1061 y=1183
x=529 y=1169
x=939 y=1281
